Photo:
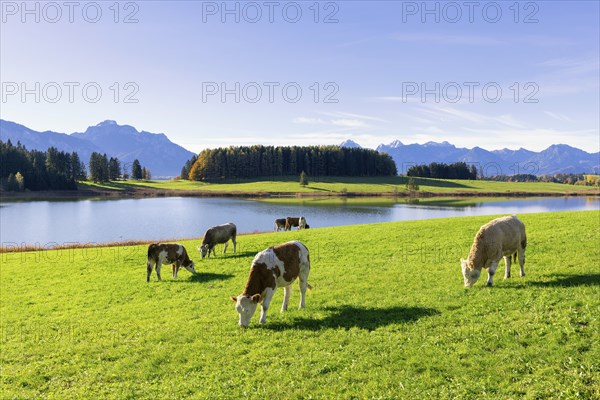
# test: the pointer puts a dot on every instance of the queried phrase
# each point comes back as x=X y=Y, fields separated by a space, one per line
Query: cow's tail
x=523 y=246
x=151 y=260
x=151 y=248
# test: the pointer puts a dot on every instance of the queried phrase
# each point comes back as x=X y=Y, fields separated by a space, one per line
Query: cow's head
x=190 y=267
x=203 y=250
x=469 y=274
x=246 y=307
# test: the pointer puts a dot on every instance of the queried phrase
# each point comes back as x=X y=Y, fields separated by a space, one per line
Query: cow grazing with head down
x=217 y=235
x=501 y=237
x=175 y=254
x=279 y=224
x=276 y=266
x=291 y=222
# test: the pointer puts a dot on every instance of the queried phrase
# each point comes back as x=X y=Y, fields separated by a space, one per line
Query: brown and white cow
x=217 y=235
x=291 y=222
x=279 y=224
x=160 y=253
x=276 y=266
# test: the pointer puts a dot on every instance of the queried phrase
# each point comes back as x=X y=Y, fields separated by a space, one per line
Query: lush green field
x=388 y=318
x=326 y=185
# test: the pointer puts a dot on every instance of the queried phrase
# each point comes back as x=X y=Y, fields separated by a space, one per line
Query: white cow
x=502 y=237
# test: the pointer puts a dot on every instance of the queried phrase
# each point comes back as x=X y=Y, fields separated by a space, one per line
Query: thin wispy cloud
x=351 y=115
x=434 y=38
x=339 y=118
x=352 y=123
x=558 y=116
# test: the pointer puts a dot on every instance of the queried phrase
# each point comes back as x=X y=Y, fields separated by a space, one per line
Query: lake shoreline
x=132 y=193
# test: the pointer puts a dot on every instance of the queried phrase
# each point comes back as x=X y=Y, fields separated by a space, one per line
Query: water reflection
x=99 y=221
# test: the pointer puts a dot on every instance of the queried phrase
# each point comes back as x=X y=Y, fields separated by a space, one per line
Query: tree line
x=457 y=170
x=566 y=178
x=263 y=161
x=22 y=169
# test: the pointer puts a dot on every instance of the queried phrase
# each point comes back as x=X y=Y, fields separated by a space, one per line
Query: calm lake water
x=96 y=221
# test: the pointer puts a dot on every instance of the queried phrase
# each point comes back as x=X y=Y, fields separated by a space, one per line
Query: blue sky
x=367 y=71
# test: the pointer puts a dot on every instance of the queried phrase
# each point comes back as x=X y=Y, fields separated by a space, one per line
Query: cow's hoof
x=489 y=284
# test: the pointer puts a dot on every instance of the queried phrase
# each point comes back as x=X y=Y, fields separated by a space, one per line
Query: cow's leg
x=225 y=247
x=176 y=269
x=214 y=251
x=521 y=255
x=149 y=266
x=287 y=293
x=492 y=271
x=233 y=240
x=303 y=286
x=158 y=265
x=507 y=261
x=265 y=305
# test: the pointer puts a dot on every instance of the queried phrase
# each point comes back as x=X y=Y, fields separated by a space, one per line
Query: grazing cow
x=271 y=268
x=175 y=254
x=279 y=224
x=290 y=222
x=501 y=237
x=216 y=235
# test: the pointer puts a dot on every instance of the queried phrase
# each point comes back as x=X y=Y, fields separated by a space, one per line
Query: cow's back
x=509 y=232
x=285 y=260
x=219 y=234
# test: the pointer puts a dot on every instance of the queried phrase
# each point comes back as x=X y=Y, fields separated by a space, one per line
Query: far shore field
x=319 y=187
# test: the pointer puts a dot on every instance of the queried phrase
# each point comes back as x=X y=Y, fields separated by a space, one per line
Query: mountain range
x=164 y=158
x=153 y=150
x=558 y=158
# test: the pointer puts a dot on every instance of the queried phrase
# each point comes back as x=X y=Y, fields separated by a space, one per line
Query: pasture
x=388 y=318
x=341 y=185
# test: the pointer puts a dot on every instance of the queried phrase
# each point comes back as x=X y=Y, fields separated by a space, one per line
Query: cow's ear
x=255 y=298
x=233 y=298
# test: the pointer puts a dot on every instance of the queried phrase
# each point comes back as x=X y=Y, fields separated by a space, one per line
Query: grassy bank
x=318 y=187
x=387 y=318
x=337 y=185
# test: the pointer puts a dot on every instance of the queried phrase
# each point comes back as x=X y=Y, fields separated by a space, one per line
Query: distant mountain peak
x=107 y=123
x=350 y=144
x=154 y=150
x=444 y=143
x=396 y=143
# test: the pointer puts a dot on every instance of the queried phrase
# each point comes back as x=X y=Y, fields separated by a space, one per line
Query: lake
x=48 y=223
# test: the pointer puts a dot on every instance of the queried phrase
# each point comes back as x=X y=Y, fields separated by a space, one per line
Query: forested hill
x=260 y=161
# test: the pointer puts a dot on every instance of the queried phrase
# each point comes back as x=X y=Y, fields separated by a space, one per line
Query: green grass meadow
x=333 y=185
x=388 y=318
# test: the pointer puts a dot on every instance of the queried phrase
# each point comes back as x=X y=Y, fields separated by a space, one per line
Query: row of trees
x=103 y=169
x=22 y=169
x=457 y=170
x=570 y=179
x=262 y=161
